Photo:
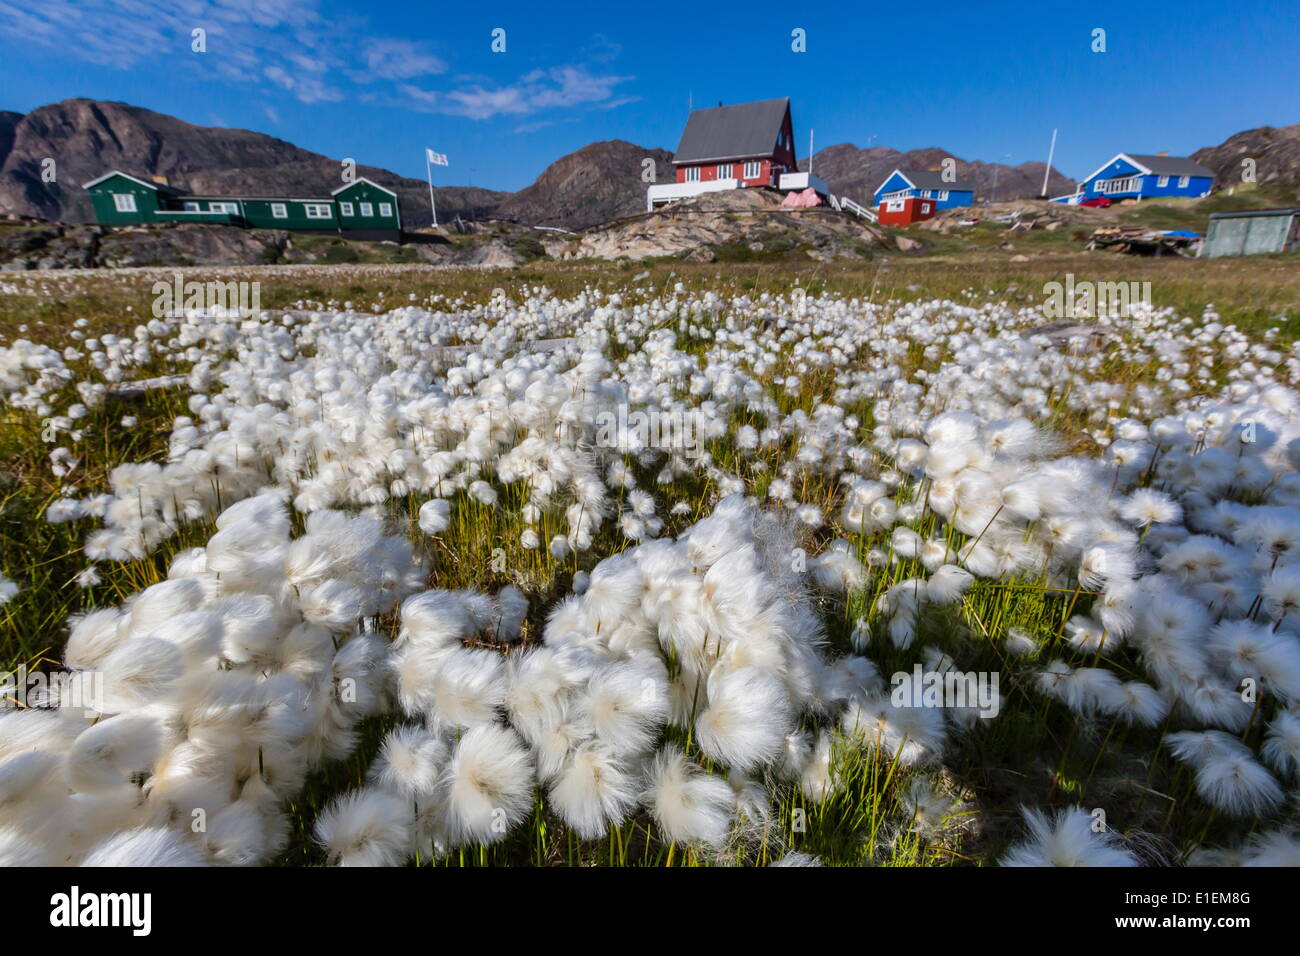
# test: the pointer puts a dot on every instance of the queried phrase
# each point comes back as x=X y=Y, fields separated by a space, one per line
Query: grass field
x=956 y=802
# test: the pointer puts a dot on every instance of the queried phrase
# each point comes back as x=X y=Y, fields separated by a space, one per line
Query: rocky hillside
x=857 y=173
x=595 y=184
x=87 y=138
x=730 y=226
x=1275 y=149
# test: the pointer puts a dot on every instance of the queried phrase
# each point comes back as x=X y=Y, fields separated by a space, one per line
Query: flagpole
x=428 y=168
x=1048 y=171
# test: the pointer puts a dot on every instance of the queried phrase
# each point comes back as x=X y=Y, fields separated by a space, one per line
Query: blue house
x=1138 y=176
x=924 y=184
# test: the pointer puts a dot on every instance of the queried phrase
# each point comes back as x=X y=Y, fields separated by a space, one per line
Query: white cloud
x=287 y=43
x=557 y=88
x=400 y=59
x=290 y=45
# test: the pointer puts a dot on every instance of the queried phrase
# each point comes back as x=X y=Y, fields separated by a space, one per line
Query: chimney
x=160 y=179
x=1163 y=152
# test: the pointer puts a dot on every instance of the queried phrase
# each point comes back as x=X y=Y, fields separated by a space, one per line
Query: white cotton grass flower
x=593 y=791
x=1069 y=838
x=367 y=827
x=747 y=719
x=1019 y=642
x=7 y=589
x=435 y=516
x=1281 y=747
x=1146 y=506
x=687 y=804
x=1228 y=777
x=144 y=846
x=795 y=858
x=410 y=763
x=489 y=785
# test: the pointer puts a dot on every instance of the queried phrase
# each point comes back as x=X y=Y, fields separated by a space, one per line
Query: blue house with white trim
x=924 y=184
x=1139 y=176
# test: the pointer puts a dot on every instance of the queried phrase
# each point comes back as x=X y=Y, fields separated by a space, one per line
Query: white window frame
x=753 y=169
x=925 y=207
x=318 y=210
x=345 y=209
x=386 y=210
x=279 y=210
x=724 y=170
x=367 y=210
x=190 y=206
x=1162 y=182
x=1183 y=181
x=895 y=205
x=692 y=174
x=1122 y=184
x=943 y=195
x=124 y=202
x=896 y=194
x=229 y=208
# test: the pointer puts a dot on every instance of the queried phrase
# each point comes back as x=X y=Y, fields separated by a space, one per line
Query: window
x=943 y=195
x=386 y=210
x=367 y=209
x=724 y=170
x=345 y=208
x=317 y=210
x=279 y=210
x=1183 y=181
x=692 y=174
x=925 y=207
x=191 y=207
x=226 y=207
x=753 y=170
x=1126 y=184
x=1162 y=182
x=124 y=202
x=894 y=205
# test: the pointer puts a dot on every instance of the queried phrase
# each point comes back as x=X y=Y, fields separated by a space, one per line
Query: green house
x=361 y=209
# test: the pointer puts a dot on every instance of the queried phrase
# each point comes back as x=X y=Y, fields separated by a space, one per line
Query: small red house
x=904 y=212
x=752 y=143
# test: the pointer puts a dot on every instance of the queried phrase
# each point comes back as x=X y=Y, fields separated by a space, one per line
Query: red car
x=1100 y=202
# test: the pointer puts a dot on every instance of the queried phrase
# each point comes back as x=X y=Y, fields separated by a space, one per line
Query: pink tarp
x=803 y=199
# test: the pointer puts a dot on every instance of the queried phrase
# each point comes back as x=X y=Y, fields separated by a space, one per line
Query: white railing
x=849 y=205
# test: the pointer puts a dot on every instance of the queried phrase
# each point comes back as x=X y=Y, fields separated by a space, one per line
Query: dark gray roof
x=1170 y=165
x=933 y=179
x=742 y=131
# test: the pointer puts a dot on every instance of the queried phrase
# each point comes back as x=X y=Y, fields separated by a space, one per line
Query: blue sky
x=378 y=82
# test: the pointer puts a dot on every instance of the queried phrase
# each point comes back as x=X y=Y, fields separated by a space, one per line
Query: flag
x=438 y=159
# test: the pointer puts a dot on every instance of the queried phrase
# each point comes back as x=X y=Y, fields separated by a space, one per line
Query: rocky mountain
x=857 y=173
x=86 y=138
x=1275 y=149
x=595 y=184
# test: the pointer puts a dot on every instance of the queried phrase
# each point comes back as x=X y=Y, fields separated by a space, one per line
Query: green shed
x=1248 y=232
